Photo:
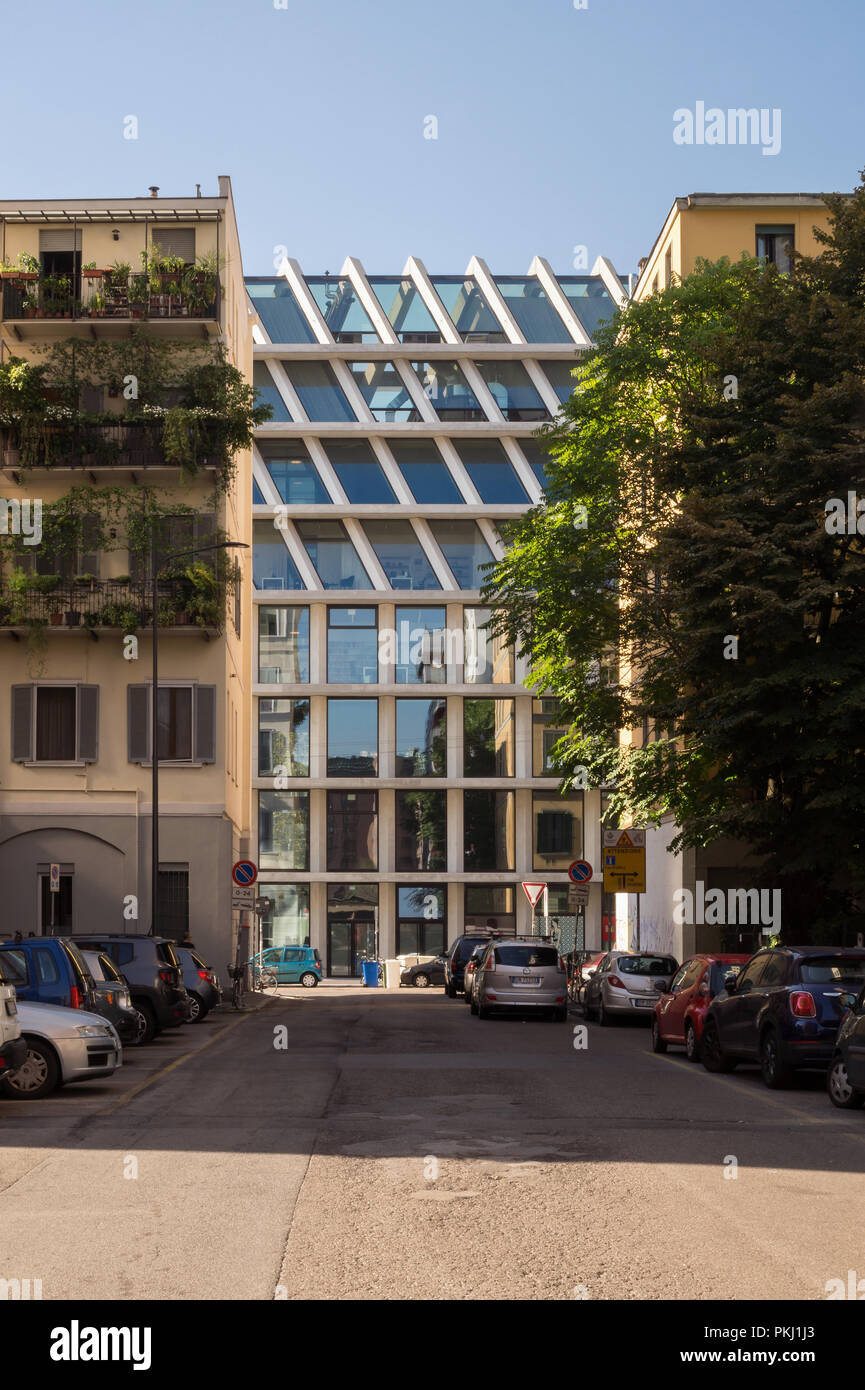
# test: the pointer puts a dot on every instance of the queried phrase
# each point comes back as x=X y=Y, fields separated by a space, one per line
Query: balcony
x=119 y=605
x=133 y=445
x=104 y=296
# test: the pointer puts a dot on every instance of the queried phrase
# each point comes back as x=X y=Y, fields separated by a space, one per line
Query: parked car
x=845 y=1080
x=627 y=982
x=588 y=967
x=201 y=983
x=153 y=971
x=48 y=970
x=470 y=970
x=13 y=1048
x=63 y=1045
x=294 y=965
x=782 y=1011
x=521 y=972
x=681 y=1009
x=112 y=998
x=455 y=960
x=424 y=973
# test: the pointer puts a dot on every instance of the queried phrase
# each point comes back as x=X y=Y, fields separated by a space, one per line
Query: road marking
x=757 y=1095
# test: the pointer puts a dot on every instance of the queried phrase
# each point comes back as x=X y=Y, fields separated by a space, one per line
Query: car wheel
x=39 y=1076
x=692 y=1046
x=197 y=1011
x=149 y=1017
x=841 y=1093
x=421 y=981
x=309 y=980
x=604 y=1019
x=713 y=1057
x=773 y=1069
x=588 y=1010
x=482 y=1011
x=658 y=1043
x=141 y=1029
x=473 y=1006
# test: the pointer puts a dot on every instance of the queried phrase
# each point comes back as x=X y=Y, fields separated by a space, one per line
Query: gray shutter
x=205 y=723
x=138 y=723
x=88 y=551
x=88 y=723
x=22 y=723
x=176 y=241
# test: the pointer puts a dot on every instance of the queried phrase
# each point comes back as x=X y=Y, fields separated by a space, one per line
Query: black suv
x=458 y=954
x=154 y=974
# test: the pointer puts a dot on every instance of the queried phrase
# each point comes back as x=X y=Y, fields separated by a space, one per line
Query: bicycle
x=236 y=974
x=264 y=977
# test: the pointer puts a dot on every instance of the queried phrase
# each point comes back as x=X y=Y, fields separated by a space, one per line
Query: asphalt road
x=397 y=1148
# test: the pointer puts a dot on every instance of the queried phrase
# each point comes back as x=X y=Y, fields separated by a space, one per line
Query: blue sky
x=554 y=124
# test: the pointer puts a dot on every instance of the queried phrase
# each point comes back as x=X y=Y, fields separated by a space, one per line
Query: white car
x=63 y=1045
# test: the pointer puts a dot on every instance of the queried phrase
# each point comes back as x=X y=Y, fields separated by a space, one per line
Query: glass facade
x=417 y=646
x=546 y=732
x=279 y=311
x=359 y=471
x=267 y=394
x=490 y=905
x=557 y=830
x=294 y=474
x=447 y=391
x=590 y=300
x=561 y=377
x=287 y=922
x=489 y=831
x=421 y=926
x=538 y=459
x=352 y=927
x=283 y=645
x=409 y=317
x=425 y=471
x=335 y=559
x=513 y=390
x=529 y=303
x=488 y=738
x=421 y=738
x=401 y=555
x=489 y=659
x=421 y=831
x=283 y=738
x=352 y=646
x=465 y=550
x=352 y=738
x=283 y=830
x=491 y=471
x=473 y=318
x=272 y=565
x=384 y=391
x=352 y=831
x=320 y=393
x=341 y=310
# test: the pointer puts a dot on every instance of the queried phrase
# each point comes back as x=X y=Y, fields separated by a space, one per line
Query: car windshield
x=645 y=965
x=197 y=962
x=466 y=948
x=94 y=964
x=833 y=970
x=524 y=956
x=719 y=974
x=166 y=951
x=109 y=969
x=79 y=964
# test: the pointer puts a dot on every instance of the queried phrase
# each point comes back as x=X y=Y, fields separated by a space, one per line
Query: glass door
x=351 y=928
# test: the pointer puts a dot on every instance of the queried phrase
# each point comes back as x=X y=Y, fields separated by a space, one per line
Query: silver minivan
x=627 y=982
x=521 y=972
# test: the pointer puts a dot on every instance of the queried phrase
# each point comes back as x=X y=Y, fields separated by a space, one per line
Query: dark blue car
x=48 y=970
x=782 y=1011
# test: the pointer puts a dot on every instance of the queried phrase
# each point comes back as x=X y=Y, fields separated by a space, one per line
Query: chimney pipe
x=154 y=190
x=198 y=190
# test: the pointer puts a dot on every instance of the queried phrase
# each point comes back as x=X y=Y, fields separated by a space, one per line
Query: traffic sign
x=533 y=891
x=54 y=878
x=578 y=894
x=244 y=873
x=625 y=860
x=580 y=871
x=242 y=895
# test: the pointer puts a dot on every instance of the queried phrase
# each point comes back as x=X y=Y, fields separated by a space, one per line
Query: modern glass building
x=401 y=773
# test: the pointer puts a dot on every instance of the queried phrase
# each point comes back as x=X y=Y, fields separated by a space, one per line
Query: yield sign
x=533 y=891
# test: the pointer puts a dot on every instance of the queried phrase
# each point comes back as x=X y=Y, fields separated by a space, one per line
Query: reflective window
x=257 y=498
x=352 y=646
x=538 y=458
x=489 y=659
x=352 y=833
x=336 y=561
x=272 y=565
x=320 y=393
x=488 y=831
x=421 y=831
x=547 y=729
x=342 y=311
x=465 y=550
x=416 y=647
x=279 y=311
x=383 y=389
x=490 y=470
x=590 y=300
x=401 y=554
x=283 y=645
x=490 y=905
x=352 y=738
x=287 y=922
x=488 y=738
x=293 y=471
x=530 y=305
x=420 y=922
x=425 y=471
x=448 y=391
x=352 y=932
x=266 y=392
x=473 y=318
x=283 y=830
x=359 y=471
x=410 y=319
x=283 y=738
x=421 y=738
x=558 y=830
x=776 y=244
x=561 y=378
x=513 y=390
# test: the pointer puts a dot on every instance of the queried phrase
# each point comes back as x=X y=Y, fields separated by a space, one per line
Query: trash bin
x=370 y=973
x=392 y=972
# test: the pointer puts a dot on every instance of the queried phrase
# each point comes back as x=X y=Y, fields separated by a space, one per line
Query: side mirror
x=662 y=987
x=730 y=984
x=848 y=1001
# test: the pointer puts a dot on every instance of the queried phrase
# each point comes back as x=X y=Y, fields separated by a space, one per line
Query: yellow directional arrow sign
x=625 y=860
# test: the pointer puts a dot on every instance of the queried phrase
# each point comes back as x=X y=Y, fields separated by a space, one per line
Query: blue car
x=49 y=970
x=782 y=1010
x=292 y=965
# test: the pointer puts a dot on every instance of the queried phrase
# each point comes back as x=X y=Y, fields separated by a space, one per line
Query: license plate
x=525 y=979
x=644 y=1003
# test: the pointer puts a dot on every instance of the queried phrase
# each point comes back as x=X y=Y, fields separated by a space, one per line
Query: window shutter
x=88 y=553
x=176 y=241
x=138 y=723
x=88 y=723
x=22 y=723
x=60 y=240
x=205 y=724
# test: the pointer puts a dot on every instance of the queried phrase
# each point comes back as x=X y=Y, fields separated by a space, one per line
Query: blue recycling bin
x=370 y=973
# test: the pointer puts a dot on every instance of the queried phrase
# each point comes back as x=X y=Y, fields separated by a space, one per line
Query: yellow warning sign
x=624 y=861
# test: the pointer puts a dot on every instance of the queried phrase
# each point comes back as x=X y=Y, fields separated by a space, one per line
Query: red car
x=681 y=1009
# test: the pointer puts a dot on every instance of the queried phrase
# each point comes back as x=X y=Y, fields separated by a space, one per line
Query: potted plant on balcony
x=203 y=605
x=200 y=284
x=117 y=286
x=96 y=306
x=138 y=295
x=73 y=617
x=91 y=271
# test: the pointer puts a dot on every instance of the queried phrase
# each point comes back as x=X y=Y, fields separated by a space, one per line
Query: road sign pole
x=546 y=910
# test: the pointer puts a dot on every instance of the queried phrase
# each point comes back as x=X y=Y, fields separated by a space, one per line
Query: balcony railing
x=95 y=296
x=130 y=444
x=107 y=604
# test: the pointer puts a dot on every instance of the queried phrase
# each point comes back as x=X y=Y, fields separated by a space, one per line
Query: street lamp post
x=156 y=566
